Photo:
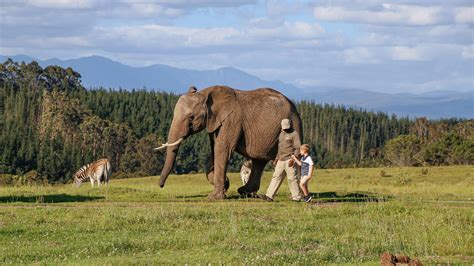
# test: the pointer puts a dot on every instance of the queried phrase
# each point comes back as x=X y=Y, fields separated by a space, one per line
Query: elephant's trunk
x=171 y=152
x=175 y=136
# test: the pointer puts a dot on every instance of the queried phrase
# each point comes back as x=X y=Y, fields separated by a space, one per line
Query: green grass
x=360 y=214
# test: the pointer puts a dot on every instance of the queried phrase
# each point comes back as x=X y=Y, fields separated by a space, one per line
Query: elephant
x=246 y=122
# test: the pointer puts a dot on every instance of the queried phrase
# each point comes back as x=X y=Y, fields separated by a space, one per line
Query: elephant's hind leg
x=210 y=173
x=253 y=185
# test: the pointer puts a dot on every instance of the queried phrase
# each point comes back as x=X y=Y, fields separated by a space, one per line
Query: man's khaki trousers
x=281 y=168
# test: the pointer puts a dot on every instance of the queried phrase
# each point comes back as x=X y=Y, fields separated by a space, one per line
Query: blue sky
x=388 y=46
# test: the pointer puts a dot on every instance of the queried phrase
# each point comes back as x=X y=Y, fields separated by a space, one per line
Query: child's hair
x=305 y=148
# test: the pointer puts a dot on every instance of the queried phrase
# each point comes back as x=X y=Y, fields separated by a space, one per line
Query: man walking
x=288 y=144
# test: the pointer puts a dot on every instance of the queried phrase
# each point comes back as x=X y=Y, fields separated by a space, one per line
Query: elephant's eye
x=191 y=120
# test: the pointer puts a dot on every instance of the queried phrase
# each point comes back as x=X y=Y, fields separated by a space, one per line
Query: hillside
x=51 y=125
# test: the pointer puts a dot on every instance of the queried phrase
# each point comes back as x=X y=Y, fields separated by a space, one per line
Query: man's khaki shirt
x=288 y=144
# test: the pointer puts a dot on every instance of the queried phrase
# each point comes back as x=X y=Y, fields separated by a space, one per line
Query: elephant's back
x=262 y=110
x=266 y=96
x=262 y=92
x=263 y=100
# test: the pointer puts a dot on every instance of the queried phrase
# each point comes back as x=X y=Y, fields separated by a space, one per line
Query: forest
x=51 y=125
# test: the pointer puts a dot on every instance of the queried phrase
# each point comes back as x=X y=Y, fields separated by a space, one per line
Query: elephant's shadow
x=331 y=196
x=50 y=198
x=321 y=197
x=237 y=197
x=229 y=197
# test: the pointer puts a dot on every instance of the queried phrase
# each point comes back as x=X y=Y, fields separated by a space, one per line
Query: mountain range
x=97 y=71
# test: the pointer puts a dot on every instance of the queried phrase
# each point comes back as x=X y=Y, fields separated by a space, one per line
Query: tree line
x=445 y=142
x=51 y=125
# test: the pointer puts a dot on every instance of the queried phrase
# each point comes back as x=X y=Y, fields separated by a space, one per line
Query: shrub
x=6 y=179
x=403 y=179
x=122 y=175
x=139 y=174
x=119 y=175
x=404 y=150
x=30 y=178
x=33 y=178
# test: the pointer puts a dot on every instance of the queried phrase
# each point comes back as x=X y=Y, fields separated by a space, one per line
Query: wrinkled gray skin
x=247 y=122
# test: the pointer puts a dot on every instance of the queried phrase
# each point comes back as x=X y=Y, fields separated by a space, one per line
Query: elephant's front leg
x=210 y=163
x=221 y=158
x=210 y=177
x=210 y=167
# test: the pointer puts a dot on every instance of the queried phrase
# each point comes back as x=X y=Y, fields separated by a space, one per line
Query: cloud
x=454 y=33
x=406 y=53
x=385 y=14
x=154 y=38
x=468 y=52
x=61 y=4
x=143 y=9
x=360 y=55
x=199 y=3
x=464 y=14
x=370 y=44
x=380 y=13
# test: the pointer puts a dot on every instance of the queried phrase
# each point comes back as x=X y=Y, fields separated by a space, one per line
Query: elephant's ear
x=221 y=102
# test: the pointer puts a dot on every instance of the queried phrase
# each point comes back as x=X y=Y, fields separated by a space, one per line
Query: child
x=306 y=164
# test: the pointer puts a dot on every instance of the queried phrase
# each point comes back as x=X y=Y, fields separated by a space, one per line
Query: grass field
x=357 y=214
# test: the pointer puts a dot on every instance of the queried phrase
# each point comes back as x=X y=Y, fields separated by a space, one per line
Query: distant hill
x=435 y=104
x=99 y=71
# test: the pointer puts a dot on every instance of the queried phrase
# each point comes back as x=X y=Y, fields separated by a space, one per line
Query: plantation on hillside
x=51 y=125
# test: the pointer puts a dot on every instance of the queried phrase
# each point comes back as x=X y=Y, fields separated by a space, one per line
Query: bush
x=6 y=179
x=448 y=150
x=119 y=175
x=403 y=179
x=30 y=178
x=404 y=150
x=33 y=178
x=139 y=174
x=122 y=175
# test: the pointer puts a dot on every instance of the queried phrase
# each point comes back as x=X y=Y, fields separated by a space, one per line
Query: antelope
x=96 y=171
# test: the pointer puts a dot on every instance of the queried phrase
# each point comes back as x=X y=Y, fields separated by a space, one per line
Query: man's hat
x=285 y=124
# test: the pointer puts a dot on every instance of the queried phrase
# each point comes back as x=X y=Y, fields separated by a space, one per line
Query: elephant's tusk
x=169 y=145
x=161 y=147
x=175 y=143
